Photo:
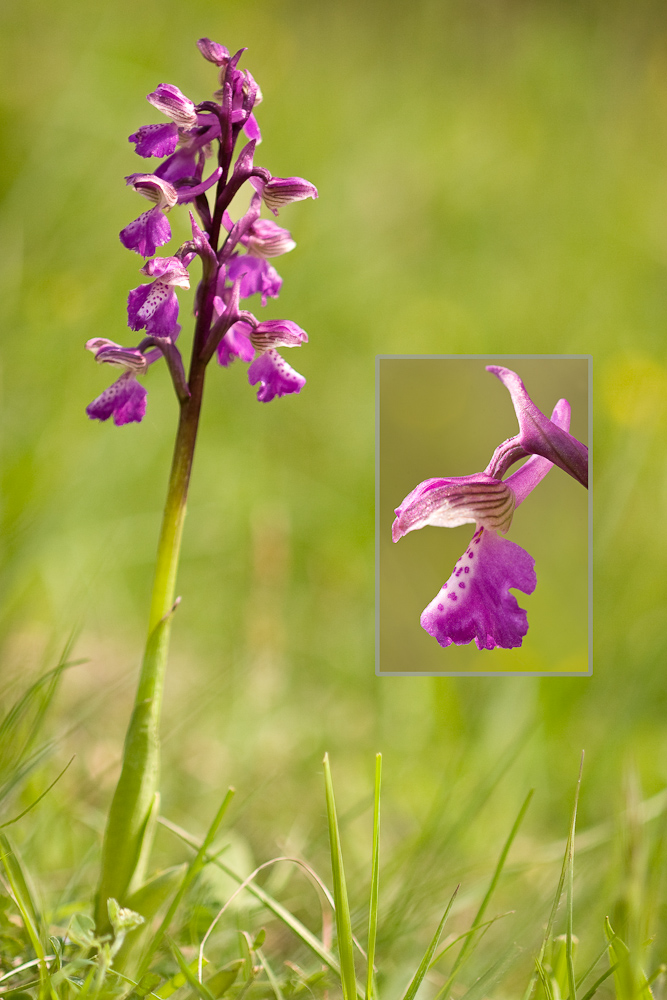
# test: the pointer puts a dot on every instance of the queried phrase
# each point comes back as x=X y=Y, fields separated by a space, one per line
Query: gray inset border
x=489 y=359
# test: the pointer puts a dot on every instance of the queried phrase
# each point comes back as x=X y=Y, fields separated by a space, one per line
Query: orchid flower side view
x=475 y=602
x=235 y=257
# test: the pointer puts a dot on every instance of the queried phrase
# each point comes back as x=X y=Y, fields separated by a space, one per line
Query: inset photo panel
x=483 y=515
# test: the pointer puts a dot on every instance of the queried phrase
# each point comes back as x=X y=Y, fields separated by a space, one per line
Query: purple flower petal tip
x=213 y=51
x=125 y=400
x=275 y=376
x=155 y=140
x=150 y=231
x=475 y=603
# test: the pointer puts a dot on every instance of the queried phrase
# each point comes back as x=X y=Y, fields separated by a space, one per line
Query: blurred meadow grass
x=493 y=179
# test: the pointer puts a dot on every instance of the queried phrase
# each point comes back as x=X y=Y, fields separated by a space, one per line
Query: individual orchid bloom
x=235 y=256
x=475 y=602
x=275 y=375
x=151 y=230
x=125 y=399
x=154 y=307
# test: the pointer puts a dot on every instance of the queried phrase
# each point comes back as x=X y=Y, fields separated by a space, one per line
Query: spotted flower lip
x=475 y=602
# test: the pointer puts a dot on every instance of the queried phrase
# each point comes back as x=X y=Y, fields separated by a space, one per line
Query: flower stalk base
x=133 y=813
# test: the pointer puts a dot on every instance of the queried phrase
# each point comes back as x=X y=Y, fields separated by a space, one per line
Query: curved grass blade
x=283 y=914
x=425 y=963
x=343 y=922
x=191 y=873
x=375 y=880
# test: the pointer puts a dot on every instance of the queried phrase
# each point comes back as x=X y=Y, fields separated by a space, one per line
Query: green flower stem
x=134 y=807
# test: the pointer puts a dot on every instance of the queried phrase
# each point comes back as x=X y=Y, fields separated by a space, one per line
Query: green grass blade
x=200 y=989
x=191 y=873
x=375 y=880
x=10 y=822
x=23 y=898
x=283 y=914
x=571 y=980
x=468 y=944
x=598 y=982
x=343 y=922
x=545 y=979
x=425 y=963
x=468 y=933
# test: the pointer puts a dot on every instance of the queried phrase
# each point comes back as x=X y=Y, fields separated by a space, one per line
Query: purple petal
x=155 y=188
x=235 y=344
x=153 y=307
x=256 y=276
x=252 y=130
x=150 y=231
x=181 y=166
x=213 y=51
x=475 y=603
x=125 y=400
x=190 y=193
x=155 y=140
x=266 y=239
x=169 y=270
x=278 y=333
x=281 y=191
x=540 y=436
x=277 y=378
x=524 y=480
x=174 y=104
x=447 y=503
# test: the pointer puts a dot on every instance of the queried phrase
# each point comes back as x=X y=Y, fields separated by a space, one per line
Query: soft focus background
x=445 y=417
x=493 y=179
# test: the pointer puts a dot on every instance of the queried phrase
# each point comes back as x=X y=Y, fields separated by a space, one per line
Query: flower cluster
x=235 y=255
x=475 y=602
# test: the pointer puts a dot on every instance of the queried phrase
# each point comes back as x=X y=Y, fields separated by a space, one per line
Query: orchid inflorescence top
x=475 y=602
x=235 y=255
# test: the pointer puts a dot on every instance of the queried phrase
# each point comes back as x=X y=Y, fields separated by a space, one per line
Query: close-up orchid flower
x=475 y=602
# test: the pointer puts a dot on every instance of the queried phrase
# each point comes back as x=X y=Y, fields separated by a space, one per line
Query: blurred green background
x=445 y=417
x=493 y=179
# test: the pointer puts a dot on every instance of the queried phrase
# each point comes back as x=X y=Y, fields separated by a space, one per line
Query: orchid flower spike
x=475 y=602
x=235 y=254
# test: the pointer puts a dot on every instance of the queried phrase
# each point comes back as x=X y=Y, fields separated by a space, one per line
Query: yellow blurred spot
x=634 y=389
